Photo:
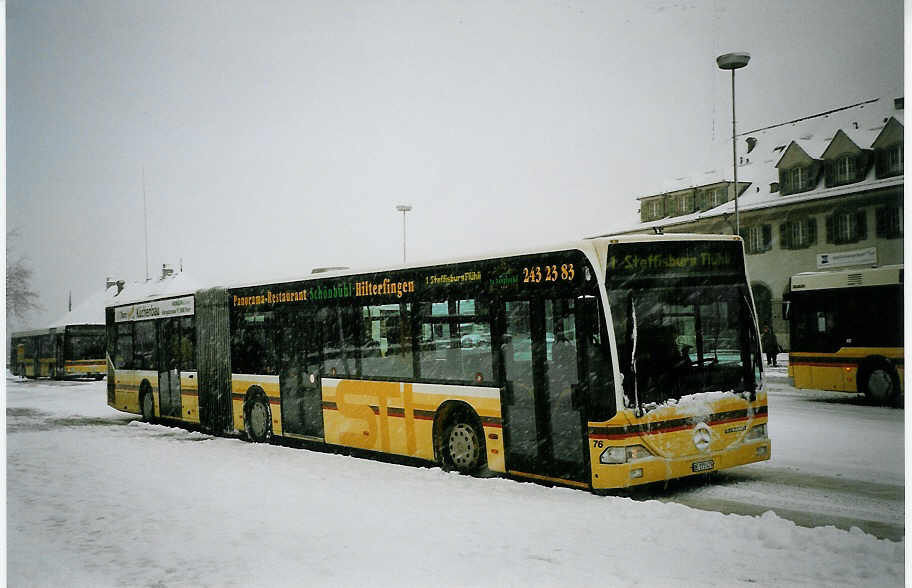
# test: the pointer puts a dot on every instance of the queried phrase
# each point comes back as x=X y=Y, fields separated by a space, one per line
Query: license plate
x=702 y=466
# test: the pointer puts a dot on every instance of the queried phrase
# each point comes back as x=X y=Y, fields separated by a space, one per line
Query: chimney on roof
x=112 y=283
x=898 y=103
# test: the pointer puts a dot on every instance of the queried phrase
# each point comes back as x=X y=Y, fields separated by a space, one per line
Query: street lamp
x=734 y=61
x=403 y=208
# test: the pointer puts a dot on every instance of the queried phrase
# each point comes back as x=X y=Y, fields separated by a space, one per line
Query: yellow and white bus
x=847 y=331
x=600 y=364
x=68 y=351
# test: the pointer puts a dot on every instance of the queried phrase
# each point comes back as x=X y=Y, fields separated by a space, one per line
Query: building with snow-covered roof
x=816 y=192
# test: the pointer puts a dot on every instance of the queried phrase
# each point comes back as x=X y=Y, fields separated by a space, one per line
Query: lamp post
x=403 y=208
x=733 y=61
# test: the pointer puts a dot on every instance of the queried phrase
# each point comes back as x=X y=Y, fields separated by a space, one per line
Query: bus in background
x=847 y=331
x=600 y=364
x=69 y=351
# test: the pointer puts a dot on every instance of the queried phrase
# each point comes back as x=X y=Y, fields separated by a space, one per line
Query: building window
x=847 y=226
x=895 y=158
x=890 y=161
x=844 y=170
x=652 y=209
x=757 y=238
x=716 y=197
x=794 y=180
x=798 y=234
x=889 y=222
x=683 y=204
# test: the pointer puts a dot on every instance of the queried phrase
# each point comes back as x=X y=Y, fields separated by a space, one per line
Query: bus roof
x=589 y=244
x=886 y=275
x=178 y=286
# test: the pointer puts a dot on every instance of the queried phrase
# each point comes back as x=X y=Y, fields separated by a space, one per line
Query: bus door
x=544 y=416
x=299 y=376
x=169 y=387
x=60 y=356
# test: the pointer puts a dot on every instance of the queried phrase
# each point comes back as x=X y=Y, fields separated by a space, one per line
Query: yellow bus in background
x=599 y=364
x=847 y=332
x=65 y=352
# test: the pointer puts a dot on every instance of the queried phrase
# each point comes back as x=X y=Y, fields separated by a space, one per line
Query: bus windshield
x=684 y=332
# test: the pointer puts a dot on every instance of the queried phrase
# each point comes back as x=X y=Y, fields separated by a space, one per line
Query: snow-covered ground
x=95 y=498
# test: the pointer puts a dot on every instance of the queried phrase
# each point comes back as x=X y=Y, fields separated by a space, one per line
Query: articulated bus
x=847 y=331
x=602 y=364
x=69 y=351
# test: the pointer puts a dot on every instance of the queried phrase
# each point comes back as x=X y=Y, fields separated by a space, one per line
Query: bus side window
x=386 y=349
x=339 y=328
x=188 y=344
x=253 y=344
x=123 y=355
x=455 y=340
x=144 y=346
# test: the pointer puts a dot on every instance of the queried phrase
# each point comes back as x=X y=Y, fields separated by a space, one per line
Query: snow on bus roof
x=179 y=284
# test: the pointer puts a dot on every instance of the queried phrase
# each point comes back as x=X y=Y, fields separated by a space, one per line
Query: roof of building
x=861 y=122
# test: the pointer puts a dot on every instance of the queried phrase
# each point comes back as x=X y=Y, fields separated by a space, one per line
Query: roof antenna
x=145 y=221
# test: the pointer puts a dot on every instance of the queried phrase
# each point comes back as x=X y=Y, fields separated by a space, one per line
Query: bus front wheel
x=463 y=445
x=880 y=383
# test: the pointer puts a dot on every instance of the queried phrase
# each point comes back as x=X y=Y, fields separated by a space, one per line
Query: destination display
x=639 y=260
x=156 y=309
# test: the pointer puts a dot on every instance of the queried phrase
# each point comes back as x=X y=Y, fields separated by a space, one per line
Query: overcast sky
x=279 y=136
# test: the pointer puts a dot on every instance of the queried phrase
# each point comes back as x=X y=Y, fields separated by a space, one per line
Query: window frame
x=888 y=222
x=757 y=238
x=846 y=226
x=799 y=233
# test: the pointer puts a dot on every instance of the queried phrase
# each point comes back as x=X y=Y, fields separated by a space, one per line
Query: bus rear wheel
x=463 y=446
x=258 y=419
x=147 y=406
x=880 y=383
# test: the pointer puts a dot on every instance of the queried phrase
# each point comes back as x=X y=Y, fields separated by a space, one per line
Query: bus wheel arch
x=878 y=380
x=146 y=401
x=459 y=439
x=257 y=416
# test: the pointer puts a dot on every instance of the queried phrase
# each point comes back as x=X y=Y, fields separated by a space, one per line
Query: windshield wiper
x=633 y=363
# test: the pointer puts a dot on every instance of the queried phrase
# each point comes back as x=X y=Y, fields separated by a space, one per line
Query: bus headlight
x=758 y=432
x=635 y=452
x=624 y=454
x=614 y=455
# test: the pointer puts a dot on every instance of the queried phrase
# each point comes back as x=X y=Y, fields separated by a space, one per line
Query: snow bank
x=95 y=499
